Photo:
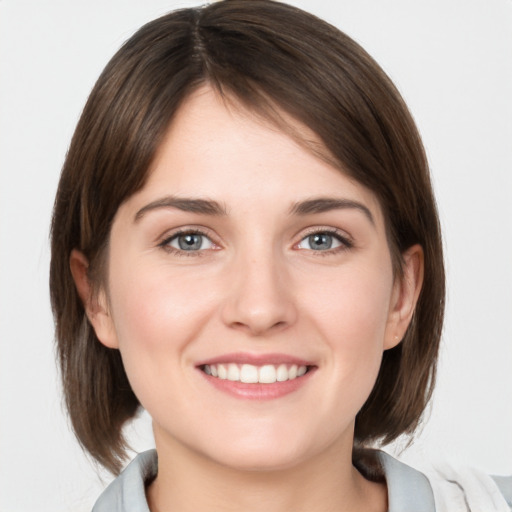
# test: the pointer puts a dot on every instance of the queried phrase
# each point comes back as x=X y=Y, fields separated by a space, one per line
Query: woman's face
x=246 y=258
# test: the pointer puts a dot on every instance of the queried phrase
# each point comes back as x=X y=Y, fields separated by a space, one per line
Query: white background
x=451 y=59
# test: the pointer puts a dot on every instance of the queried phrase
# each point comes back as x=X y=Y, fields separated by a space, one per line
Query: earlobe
x=95 y=304
x=405 y=296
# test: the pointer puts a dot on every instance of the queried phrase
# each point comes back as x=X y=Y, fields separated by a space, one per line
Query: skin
x=256 y=286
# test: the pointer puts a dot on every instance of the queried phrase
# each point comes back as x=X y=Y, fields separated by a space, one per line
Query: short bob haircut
x=270 y=58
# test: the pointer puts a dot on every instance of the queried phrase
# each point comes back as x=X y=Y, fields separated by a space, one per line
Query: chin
x=260 y=459
x=266 y=449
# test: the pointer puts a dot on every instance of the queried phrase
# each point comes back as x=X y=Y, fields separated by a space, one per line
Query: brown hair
x=266 y=55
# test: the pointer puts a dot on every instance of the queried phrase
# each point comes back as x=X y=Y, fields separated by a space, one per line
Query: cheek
x=353 y=303
x=351 y=315
x=156 y=316
x=152 y=306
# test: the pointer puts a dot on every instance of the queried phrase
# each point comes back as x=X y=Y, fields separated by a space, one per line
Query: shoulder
x=470 y=489
x=127 y=492
x=408 y=489
x=504 y=484
x=443 y=489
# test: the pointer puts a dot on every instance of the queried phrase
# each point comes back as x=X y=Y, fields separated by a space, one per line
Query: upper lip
x=256 y=359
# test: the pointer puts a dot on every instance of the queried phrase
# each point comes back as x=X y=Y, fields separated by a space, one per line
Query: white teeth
x=250 y=374
x=267 y=374
x=233 y=372
x=282 y=373
x=222 y=372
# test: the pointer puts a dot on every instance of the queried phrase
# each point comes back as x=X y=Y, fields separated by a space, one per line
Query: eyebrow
x=201 y=206
x=210 y=207
x=325 y=204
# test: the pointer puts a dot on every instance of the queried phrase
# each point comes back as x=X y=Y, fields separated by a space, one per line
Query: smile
x=257 y=377
x=252 y=374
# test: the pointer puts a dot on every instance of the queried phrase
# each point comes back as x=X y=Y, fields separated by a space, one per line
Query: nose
x=260 y=300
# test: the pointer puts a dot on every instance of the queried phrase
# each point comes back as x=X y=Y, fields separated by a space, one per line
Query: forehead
x=221 y=150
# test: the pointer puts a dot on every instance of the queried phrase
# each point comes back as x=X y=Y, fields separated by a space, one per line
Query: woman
x=245 y=243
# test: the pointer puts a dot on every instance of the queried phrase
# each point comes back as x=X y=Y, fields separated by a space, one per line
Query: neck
x=188 y=481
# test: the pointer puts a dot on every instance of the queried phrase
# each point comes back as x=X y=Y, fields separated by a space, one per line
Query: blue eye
x=189 y=242
x=322 y=241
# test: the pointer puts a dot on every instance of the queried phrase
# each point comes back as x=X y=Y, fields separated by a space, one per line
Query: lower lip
x=258 y=391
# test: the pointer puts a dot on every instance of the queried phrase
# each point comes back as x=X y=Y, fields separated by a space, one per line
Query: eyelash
x=346 y=242
x=165 y=244
x=341 y=237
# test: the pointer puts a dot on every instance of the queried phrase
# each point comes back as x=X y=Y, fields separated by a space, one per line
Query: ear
x=406 y=291
x=95 y=303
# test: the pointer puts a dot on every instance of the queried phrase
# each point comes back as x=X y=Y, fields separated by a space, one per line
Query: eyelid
x=164 y=240
x=342 y=236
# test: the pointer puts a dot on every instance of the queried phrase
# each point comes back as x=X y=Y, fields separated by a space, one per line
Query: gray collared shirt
x=408 y=489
